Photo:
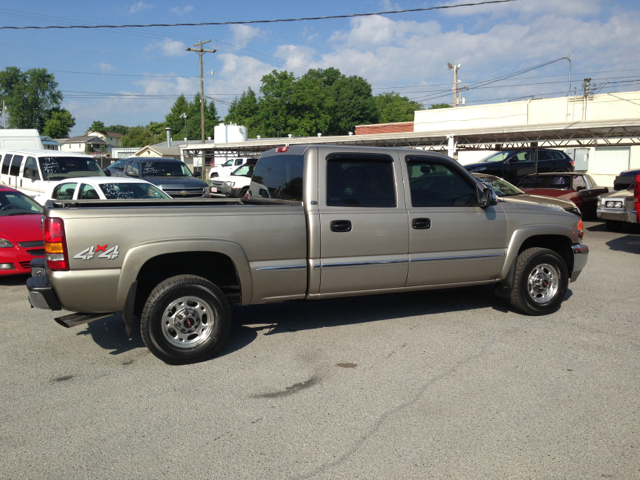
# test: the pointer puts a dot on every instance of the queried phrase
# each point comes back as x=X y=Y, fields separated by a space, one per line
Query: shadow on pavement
x=15 y=280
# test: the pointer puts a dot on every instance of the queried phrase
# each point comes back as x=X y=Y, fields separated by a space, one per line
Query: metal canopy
x=578 y=134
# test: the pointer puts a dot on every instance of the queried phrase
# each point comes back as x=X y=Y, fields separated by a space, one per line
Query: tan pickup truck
x=318 y=222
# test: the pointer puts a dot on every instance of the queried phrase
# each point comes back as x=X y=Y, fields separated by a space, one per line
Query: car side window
x=15 y=165
x=64 y=191
x=87 y=192
x=133 y=166
x=434 y=184
x=31 y=169
x=360 y=182
x=522 y=157
x=239 y=161
x=5 y=163
x=578 y=181
x=545 y=156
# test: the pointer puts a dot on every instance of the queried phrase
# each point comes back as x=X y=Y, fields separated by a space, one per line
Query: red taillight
x=573 y=163
x=55 y=244
x=580 y=229
x=281 y=149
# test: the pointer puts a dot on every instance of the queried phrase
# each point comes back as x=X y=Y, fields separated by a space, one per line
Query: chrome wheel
x=188 y=322
x=543 y=283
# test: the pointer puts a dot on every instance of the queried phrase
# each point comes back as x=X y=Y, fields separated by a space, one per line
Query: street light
x=184 y=115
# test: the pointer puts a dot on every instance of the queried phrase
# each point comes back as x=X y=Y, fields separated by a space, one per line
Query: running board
x=75 y=319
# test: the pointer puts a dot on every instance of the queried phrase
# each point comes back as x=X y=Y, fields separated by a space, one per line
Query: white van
x=16 y=138
x=31 y=171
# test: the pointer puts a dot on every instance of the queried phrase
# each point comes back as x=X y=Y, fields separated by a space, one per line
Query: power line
x=249 y=22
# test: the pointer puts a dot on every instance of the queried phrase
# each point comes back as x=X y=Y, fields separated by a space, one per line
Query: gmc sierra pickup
x=319 y=221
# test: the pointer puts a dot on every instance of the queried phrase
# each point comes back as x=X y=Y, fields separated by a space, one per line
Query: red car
x=580 y=188
x=21 y=238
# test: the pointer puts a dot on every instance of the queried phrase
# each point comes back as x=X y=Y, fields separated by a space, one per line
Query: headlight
x=613 y=204
x=5 y=243
x=229 y=184
x=553 y=205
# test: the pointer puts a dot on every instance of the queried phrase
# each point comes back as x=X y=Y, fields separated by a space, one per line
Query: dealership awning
x=566 y=135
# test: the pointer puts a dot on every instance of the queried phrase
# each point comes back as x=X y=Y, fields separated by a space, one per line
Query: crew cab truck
x=318 y=222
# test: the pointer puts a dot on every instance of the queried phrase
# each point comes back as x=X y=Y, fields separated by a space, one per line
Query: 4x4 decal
x=89 y=253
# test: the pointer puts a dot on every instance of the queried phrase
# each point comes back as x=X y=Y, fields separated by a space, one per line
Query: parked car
x=32 y=171
x=620 y=207
x=229 y=166
x=236 y=184
x=502 y=189
x=626 y=179
x=580 y=188
x=170 y=174
x=101 y=188
x=116 y=169
x=513 y=165
x=21 y=237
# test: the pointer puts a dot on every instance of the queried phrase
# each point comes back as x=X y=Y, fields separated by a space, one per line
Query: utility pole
x=200 y=51
x=455 y=82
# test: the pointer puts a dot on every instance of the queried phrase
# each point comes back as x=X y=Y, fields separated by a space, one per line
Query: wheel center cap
x=186 y=321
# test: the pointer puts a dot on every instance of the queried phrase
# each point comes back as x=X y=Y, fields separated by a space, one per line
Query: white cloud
x=168 y=47
x=139 y=7
x=183 y=10
x=243 y=34
x=242 y=71
x=106 y=68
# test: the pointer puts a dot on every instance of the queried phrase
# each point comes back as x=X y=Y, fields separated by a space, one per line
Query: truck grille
x=184 y=192
x=215 y=183
x=37 y=243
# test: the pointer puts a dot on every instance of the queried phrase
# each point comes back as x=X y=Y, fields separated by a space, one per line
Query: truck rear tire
x=186 y=319
x=540 y=283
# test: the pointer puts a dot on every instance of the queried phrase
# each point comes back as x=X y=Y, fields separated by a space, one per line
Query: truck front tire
x=540 y=283
x=186 y=319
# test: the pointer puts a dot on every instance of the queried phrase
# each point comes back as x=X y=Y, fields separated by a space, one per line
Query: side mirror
x=197 y=174
x=487 y=198
x=107 y=172
x=131 y=173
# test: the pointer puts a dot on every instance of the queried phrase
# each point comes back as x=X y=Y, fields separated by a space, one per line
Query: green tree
x=141 y=137
x=274 y=110
x=244 y=111
x=211 y=118
x=59 y=124
x=434 y=106
x=121 y=129
x=98 y=126
x=173 y=119
x=354 y=105
x=31 y=97
x=156 y=128
x=394 y=108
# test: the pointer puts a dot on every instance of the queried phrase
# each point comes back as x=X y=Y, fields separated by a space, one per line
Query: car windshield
x=501 y=187
x=16 y=203
x=496 y=157
x=243 y=171
x=131 y=191
x=59 y=168
x=560 y=182
x=165 y=169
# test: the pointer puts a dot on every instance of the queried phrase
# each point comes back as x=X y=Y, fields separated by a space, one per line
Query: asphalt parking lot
x=440 y=384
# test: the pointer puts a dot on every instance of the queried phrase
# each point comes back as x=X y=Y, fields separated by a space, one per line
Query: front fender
x=141 y=254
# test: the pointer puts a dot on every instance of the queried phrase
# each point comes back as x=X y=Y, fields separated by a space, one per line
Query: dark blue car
x=170 y=174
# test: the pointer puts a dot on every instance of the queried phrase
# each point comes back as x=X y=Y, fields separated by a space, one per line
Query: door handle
x=341 y=226
x=421 y=223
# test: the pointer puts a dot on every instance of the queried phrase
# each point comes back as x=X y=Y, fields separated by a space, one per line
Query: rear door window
x=64 y=191
x=87 y=192
x=31 y=169
x=15 y=165
x=366 y=182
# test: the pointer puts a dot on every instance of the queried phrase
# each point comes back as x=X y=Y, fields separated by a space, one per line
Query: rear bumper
x=41 y=295
x=618 y=215
x=580 y=256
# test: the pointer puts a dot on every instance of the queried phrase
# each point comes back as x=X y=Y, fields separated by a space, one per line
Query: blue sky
x=133 y=76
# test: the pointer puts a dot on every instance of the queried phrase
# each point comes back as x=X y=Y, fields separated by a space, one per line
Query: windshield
x=16 y=203
x=243 y=171
x=501 y=187
x=131 y=191
x=560 y=182
x=59 y=168
x=496 y=157
x=165 y=169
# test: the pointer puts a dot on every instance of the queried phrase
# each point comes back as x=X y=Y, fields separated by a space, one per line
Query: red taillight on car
x=636 y=197
x=580 y=229
x=281 y=149
x=573 y=163
x=55 y=244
